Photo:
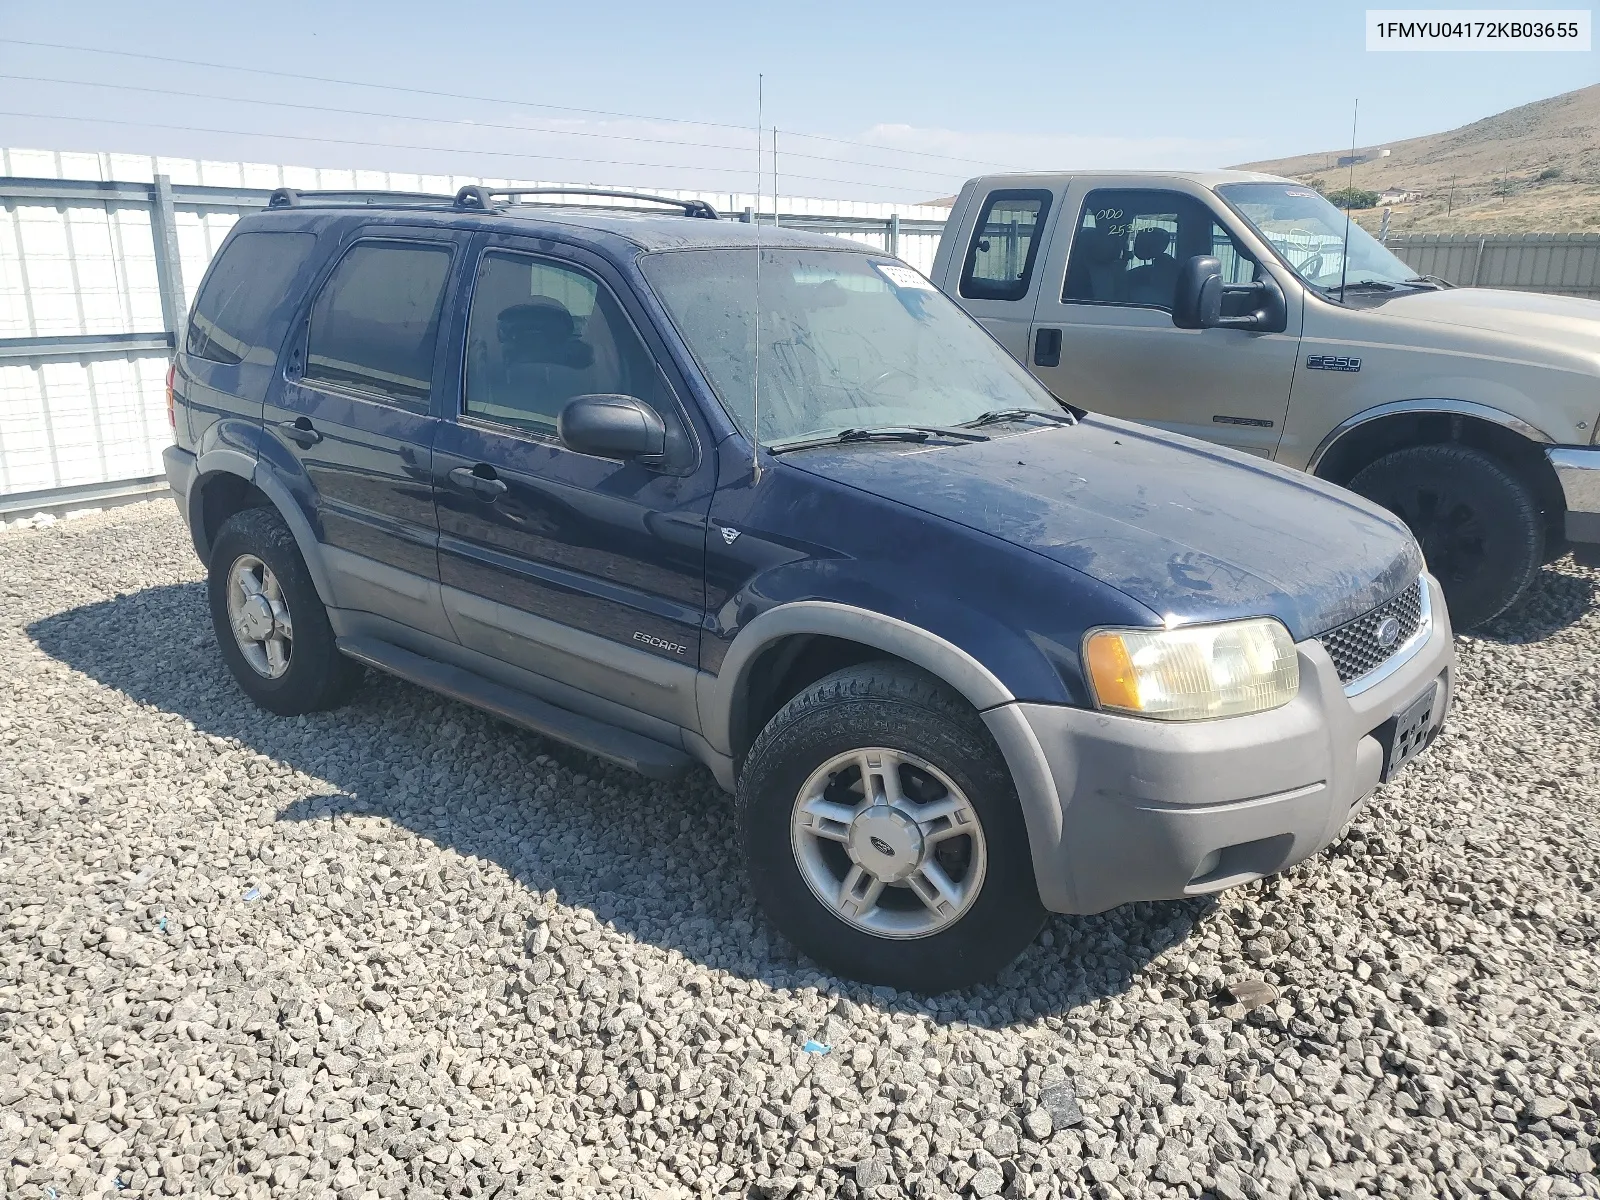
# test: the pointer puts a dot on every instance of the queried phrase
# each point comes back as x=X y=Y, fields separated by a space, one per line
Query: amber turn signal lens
x=1116 y=684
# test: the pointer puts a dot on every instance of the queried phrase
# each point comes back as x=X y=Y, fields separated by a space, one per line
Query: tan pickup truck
x=1223 y=305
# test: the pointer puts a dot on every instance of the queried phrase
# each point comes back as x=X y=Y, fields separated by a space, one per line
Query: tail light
x=172 y=404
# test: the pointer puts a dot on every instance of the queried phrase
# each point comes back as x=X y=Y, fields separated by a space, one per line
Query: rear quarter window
x=1005 y=242
x=245 y=304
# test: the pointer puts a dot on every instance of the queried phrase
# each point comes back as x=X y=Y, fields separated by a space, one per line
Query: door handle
x=301 y=432
x=1047 y=348
x=480 y=480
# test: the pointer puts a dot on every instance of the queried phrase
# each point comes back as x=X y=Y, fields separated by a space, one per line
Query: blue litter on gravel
x=813 y=1046
x=253 y=894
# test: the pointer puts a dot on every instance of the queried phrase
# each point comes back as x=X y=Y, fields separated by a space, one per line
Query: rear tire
x=270 y=624
x=929 y=882
x=1478 y=523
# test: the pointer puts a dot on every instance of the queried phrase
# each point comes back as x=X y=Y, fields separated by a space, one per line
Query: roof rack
x=290 y=198
x=475 y=197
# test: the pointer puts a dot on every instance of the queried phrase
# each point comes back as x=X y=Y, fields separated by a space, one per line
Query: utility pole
x=1450 y=204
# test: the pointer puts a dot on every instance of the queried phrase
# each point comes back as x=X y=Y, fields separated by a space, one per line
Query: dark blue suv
x=675 y=490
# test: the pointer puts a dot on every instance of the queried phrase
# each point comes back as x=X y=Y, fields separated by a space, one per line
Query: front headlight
x=1195 y=671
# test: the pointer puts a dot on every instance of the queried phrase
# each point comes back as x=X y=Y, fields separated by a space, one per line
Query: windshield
x=1308 y=234
x=847 y=342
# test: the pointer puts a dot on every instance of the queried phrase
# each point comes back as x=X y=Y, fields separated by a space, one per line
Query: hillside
x=1535 y=168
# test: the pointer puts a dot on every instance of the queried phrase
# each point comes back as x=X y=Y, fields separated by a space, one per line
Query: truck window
x=1004 y=244
x=376 y=321
x=244 y=306
x=1129 y=243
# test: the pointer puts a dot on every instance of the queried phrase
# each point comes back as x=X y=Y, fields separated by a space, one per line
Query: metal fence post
x=894 y=235
x=747 y=216
x=169 y=266
x=1477 y=265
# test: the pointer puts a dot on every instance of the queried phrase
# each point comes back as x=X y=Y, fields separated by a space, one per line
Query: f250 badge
x=1332 y=362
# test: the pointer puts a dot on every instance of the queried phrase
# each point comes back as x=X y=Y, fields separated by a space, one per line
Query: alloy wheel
x=888 y=843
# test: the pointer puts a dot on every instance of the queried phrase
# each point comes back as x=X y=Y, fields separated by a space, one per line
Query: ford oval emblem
x=1387 y=632
x=881 y=846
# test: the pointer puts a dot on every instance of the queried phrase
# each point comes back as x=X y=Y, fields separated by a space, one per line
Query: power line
x=470 y=124
x=296 y=137
x=391 y=87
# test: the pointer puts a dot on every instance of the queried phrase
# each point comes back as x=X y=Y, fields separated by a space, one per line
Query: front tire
x=883 y=834
x=1478 y=523
x=270 y=624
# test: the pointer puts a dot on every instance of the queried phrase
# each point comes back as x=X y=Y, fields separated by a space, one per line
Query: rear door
x=354 y=417
x=586 y=571
x=998 y=264
x=1103 y=334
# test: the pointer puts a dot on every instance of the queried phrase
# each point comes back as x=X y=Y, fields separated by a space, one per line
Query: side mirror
x=1197 y=303
x=607 y=426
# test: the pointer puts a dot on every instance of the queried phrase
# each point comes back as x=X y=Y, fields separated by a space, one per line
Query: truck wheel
x=883 y=834
x=1478 y=524
x=271 y=627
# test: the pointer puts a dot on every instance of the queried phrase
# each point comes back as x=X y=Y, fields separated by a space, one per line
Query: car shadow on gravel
x=1560 y=595
x=658 y=862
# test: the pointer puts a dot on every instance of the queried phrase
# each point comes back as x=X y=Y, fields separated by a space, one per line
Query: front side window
x=375 y=324
x=1309 y=235
x=1130 y=241
x=1004 y=244
x=541 y=333
x=244 y=307
x=847 y=341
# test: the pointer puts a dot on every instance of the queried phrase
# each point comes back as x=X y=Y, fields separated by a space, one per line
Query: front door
x=1103 y=335
x=354 y=415
x=585 y=571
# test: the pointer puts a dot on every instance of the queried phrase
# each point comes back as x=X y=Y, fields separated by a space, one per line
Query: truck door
x=997 y=267
x=1103 y=336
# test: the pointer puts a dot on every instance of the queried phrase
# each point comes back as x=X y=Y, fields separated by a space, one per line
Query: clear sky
x=1061 y=85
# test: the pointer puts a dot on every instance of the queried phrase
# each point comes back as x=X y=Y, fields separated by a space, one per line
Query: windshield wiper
x=996 y=415
x=1382 y=285
x=879 y=433
x=1432 y=281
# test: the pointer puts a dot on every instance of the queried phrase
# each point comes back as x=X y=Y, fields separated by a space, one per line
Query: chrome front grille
x=1357 y=648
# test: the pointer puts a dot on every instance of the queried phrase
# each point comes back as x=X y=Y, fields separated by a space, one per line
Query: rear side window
x=243 y=309
x=375 y=323
x=1006 y=241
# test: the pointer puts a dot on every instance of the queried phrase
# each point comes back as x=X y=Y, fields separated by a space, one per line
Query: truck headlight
x=1194 y=671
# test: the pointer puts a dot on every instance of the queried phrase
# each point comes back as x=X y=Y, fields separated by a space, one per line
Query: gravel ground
x=403 y=949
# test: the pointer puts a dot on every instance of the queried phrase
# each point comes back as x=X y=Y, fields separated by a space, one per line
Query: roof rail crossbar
x=292 y=198
x=473 y=196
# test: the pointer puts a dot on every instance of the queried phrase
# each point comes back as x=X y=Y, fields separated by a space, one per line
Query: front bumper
x=1133 y=809
x=1577 y=469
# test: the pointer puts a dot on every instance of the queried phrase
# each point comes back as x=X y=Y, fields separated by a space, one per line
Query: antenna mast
x=774 y=176
x=755 y=406
x=1349 y=200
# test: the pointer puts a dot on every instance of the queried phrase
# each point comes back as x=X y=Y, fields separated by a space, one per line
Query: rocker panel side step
x=651 y=758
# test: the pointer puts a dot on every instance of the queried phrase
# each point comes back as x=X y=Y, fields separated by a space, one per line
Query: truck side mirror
x=1197 y=303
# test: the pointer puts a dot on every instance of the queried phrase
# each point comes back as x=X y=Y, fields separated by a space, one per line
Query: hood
x=1191 y=531
x=1565 y=321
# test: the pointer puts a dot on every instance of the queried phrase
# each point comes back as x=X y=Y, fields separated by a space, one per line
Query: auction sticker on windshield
x=903 y=277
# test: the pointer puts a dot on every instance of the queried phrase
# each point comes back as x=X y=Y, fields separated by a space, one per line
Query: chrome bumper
x=1577 y=469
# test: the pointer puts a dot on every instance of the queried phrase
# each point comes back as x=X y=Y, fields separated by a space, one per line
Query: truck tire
x=271 y=627
x=1477 y=522
x=927 y=884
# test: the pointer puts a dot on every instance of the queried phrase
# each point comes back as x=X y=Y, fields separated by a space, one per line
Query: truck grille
x=1355 y=648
